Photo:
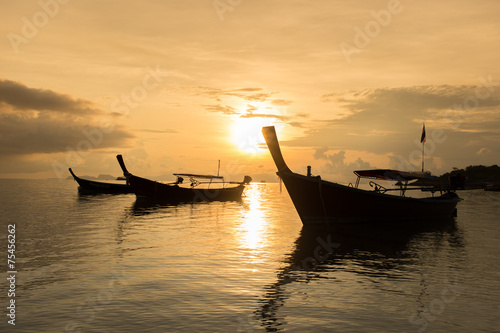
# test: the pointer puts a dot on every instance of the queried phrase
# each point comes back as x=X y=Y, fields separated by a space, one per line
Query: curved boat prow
x=122 y=165
x=74 y=176
x=271 y=138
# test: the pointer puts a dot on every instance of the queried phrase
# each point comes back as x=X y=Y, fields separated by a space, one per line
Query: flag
x=422 y=138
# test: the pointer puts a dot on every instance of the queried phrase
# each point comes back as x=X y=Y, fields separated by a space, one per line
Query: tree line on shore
x=476 y=176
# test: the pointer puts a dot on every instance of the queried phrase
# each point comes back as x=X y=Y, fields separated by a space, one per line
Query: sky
x=176 y=86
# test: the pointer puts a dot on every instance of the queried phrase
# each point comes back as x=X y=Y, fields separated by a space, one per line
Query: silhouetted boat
x=319 y=201
x=174 y=193
x=92 y=187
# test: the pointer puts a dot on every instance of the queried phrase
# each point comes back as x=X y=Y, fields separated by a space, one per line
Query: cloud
x=229 y=110
x=248 y=89
x=296 y=124
x=49 y=133
x=20 y=97
x=484 y=151
x=247 y=94
x=224 y=109
x=399 y=111
x=336 y=164
x=388 y=121
x=264 y=115
x=251 y=109
x=282 y=102
x=302 y=115
x=250 y=95
x=34 y=121
x=262 y=97
x=158 y=131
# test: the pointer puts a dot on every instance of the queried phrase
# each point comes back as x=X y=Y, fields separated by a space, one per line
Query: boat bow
x=319 y=201
x=271 y=138
x=174 y=193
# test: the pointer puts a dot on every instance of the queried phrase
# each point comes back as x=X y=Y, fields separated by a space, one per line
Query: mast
x=422 y=140
x=423 y=144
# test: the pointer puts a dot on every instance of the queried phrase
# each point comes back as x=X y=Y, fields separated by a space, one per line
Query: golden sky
x=175 y=86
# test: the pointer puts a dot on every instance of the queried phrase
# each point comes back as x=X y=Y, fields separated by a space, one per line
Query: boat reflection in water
x=147 y=206
x=329 y=265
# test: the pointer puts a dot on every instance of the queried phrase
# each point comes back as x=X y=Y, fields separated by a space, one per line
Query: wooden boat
x=174 y=193
x=320 y=201
x=93 y=187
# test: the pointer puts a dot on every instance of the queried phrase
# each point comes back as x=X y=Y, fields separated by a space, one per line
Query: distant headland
x=476 y=176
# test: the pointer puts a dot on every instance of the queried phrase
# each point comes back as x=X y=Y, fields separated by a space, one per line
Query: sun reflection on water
x=253 y=218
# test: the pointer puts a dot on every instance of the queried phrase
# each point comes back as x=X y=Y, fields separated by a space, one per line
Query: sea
x=112 y=263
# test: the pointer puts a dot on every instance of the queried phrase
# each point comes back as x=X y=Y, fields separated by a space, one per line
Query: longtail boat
x=319 y=201
x=197 y=191
x=93 y=187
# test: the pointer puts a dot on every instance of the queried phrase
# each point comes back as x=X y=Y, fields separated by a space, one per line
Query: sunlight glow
x=247 y=132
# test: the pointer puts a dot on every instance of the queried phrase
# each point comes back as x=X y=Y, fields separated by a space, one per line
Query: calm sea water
x=108 y=263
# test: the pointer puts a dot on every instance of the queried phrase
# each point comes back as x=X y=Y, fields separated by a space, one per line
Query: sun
x=247 y=133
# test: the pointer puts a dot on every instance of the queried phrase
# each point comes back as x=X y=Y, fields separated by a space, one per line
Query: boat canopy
x=396 y=175
x=190 y=175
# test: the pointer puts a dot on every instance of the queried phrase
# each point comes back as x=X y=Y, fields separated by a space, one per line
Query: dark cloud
x=399 y=111
x=414 y=100
x=389 y=121
x=38 y=121
x=20 y=97
x=48 y=133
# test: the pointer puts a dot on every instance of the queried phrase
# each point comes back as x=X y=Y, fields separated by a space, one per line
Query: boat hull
x=174 y=193
x=93 y=187
x=318 y=201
